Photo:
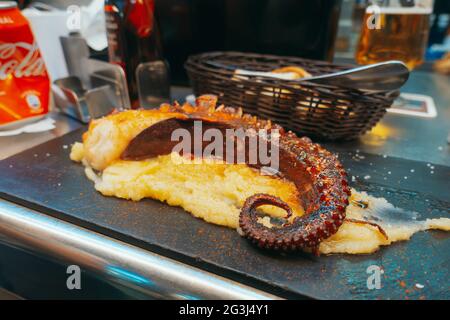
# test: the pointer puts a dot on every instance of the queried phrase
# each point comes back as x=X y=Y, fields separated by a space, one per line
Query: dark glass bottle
x=133 y=38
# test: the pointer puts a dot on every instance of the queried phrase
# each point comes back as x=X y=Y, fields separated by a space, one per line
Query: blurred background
x=414 y=128
x=320 y=29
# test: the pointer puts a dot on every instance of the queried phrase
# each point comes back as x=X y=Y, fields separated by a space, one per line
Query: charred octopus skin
x=325 y=201
x=319 y=177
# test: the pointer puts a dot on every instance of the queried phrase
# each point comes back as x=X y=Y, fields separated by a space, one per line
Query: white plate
x=20 y=123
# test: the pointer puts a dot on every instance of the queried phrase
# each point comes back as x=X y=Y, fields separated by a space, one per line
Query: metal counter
x=147 y=273
x=53 y=244
x=409 y=137
x=36 y=249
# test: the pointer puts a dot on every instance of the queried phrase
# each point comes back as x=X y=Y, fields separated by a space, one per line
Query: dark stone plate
x=45 y=179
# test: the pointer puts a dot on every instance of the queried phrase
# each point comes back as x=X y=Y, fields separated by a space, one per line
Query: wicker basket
x=320 y=111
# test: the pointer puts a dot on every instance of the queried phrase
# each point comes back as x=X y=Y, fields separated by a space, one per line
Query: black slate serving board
x=45 y=179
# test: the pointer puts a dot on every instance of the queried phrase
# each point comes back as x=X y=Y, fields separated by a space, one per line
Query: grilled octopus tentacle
x=320 y=179
x=261 y=199
x=302 y=232
x=324 y=191
x=321 y=219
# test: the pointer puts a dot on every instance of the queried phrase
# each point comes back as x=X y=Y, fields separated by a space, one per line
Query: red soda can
x=24 y=81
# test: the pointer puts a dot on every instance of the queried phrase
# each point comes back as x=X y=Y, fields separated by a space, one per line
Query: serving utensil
x=383 y=76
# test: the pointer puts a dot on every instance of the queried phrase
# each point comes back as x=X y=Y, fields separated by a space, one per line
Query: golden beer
x=400 y=34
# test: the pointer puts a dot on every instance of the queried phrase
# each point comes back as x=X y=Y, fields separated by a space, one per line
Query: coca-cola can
x=24 y=81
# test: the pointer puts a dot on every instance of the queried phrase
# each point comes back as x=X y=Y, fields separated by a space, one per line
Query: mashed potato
x=215 y=192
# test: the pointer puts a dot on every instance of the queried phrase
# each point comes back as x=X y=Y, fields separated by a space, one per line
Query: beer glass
x=394 y=30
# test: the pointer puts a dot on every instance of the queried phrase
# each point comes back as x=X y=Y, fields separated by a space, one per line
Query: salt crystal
x=420 y=286
x=412 y=170
x=405 y=177
x=389 y=172
x=366 y=177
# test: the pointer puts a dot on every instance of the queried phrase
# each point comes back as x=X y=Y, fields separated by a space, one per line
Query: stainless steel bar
x=152 y=274
x=15 y=144
x=6 y=295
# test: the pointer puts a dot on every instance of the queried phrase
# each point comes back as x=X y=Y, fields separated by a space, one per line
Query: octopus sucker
x=131 y=155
